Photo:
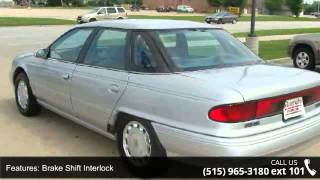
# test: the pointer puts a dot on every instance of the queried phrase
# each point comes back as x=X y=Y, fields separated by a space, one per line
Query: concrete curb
x=279 y=60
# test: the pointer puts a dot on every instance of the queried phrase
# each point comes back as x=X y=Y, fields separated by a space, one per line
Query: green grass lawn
x=280 y=32
x=26 y=21
x=278 y=18
x=273 y=49
x=243 y=18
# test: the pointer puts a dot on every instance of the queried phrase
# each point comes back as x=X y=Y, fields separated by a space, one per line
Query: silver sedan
x=170 y=88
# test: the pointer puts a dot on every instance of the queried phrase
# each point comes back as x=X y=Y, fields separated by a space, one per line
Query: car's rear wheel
x=138 y=143
x=303 y=58
x=234 y=21
x=25 y=100
x=220 y=21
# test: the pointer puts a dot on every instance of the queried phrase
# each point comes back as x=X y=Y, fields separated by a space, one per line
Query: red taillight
x=247 y=111
x=234 y=113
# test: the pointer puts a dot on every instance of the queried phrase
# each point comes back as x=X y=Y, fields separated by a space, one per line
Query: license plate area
x=293 y=108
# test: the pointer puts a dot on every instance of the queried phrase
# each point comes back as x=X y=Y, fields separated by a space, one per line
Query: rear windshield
x=198 y=49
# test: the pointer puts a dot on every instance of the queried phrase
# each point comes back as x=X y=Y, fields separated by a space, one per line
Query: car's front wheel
x=25 y=100
x=304 y=58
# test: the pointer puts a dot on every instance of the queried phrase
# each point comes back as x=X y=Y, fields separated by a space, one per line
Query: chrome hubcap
x=22 y=93
x=302 y=60
x=136 y=140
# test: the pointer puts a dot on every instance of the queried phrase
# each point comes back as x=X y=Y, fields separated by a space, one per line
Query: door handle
x=66 y=76
x=114 y=88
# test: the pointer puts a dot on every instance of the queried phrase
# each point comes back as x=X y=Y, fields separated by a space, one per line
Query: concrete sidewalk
x=272 y=38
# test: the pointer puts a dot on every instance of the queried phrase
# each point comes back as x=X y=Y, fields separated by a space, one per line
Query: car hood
x=88 y=15
x=258 y=81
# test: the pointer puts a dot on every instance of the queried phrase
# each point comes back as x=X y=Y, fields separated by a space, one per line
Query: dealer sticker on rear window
x=293 y=108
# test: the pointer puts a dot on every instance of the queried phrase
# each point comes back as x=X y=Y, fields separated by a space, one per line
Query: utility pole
x=253 y=19
x=252 y=40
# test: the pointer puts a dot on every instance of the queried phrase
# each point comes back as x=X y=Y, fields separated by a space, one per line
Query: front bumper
x=81 y=20
x=281 y=142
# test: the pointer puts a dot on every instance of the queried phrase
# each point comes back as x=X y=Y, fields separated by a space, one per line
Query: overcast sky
x=309 y=1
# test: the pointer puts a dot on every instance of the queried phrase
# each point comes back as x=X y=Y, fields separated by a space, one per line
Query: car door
x=121 y=12
x=56 y=74
x=229 y=17
x=101 y=14
x=112 y=13
x=101 y=79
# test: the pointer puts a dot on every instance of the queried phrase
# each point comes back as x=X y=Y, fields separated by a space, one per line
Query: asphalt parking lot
x=47 y=134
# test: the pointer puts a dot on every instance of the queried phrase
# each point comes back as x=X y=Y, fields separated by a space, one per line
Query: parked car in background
x=316 y=14
x=304 y=51
x=170 y=88
x=103 y=13
x=185 y=9
x=222 y=18
x=163 y=9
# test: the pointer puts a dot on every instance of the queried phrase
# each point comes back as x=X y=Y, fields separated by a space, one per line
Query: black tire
x=208 y=21
x=311 y=65
x=92 y=20
x=156 y=161
x=32 y=108
x=220 y=21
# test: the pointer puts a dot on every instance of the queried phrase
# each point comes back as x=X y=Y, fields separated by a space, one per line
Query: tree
x=295 y=6
x=309 y=8
x=54 y=2
x=274 y=5
x=235 y=3
x=216 y=2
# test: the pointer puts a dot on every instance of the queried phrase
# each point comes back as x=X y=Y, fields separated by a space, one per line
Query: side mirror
x=42 y=53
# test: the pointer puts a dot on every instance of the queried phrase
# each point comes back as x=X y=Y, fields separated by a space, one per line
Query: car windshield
x=94 y=10
x=219 y=14
x=199 y=49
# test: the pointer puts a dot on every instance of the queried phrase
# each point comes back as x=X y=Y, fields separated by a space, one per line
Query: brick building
x=198 y=5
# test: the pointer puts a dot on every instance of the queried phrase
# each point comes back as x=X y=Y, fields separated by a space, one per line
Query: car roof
x=149 y=24
x=110 y=7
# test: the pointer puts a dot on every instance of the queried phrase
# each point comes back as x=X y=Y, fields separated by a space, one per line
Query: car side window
x=102 y=11
x=108 y=50
x=121 y=10
x=111 y=10
x=143 y=57
x=69 y=46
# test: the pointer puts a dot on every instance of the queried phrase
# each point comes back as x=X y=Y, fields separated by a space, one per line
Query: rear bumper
x=281 y=142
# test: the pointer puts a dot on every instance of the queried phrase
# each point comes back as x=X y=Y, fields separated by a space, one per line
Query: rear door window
x=121 y=10
x=111 y=10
